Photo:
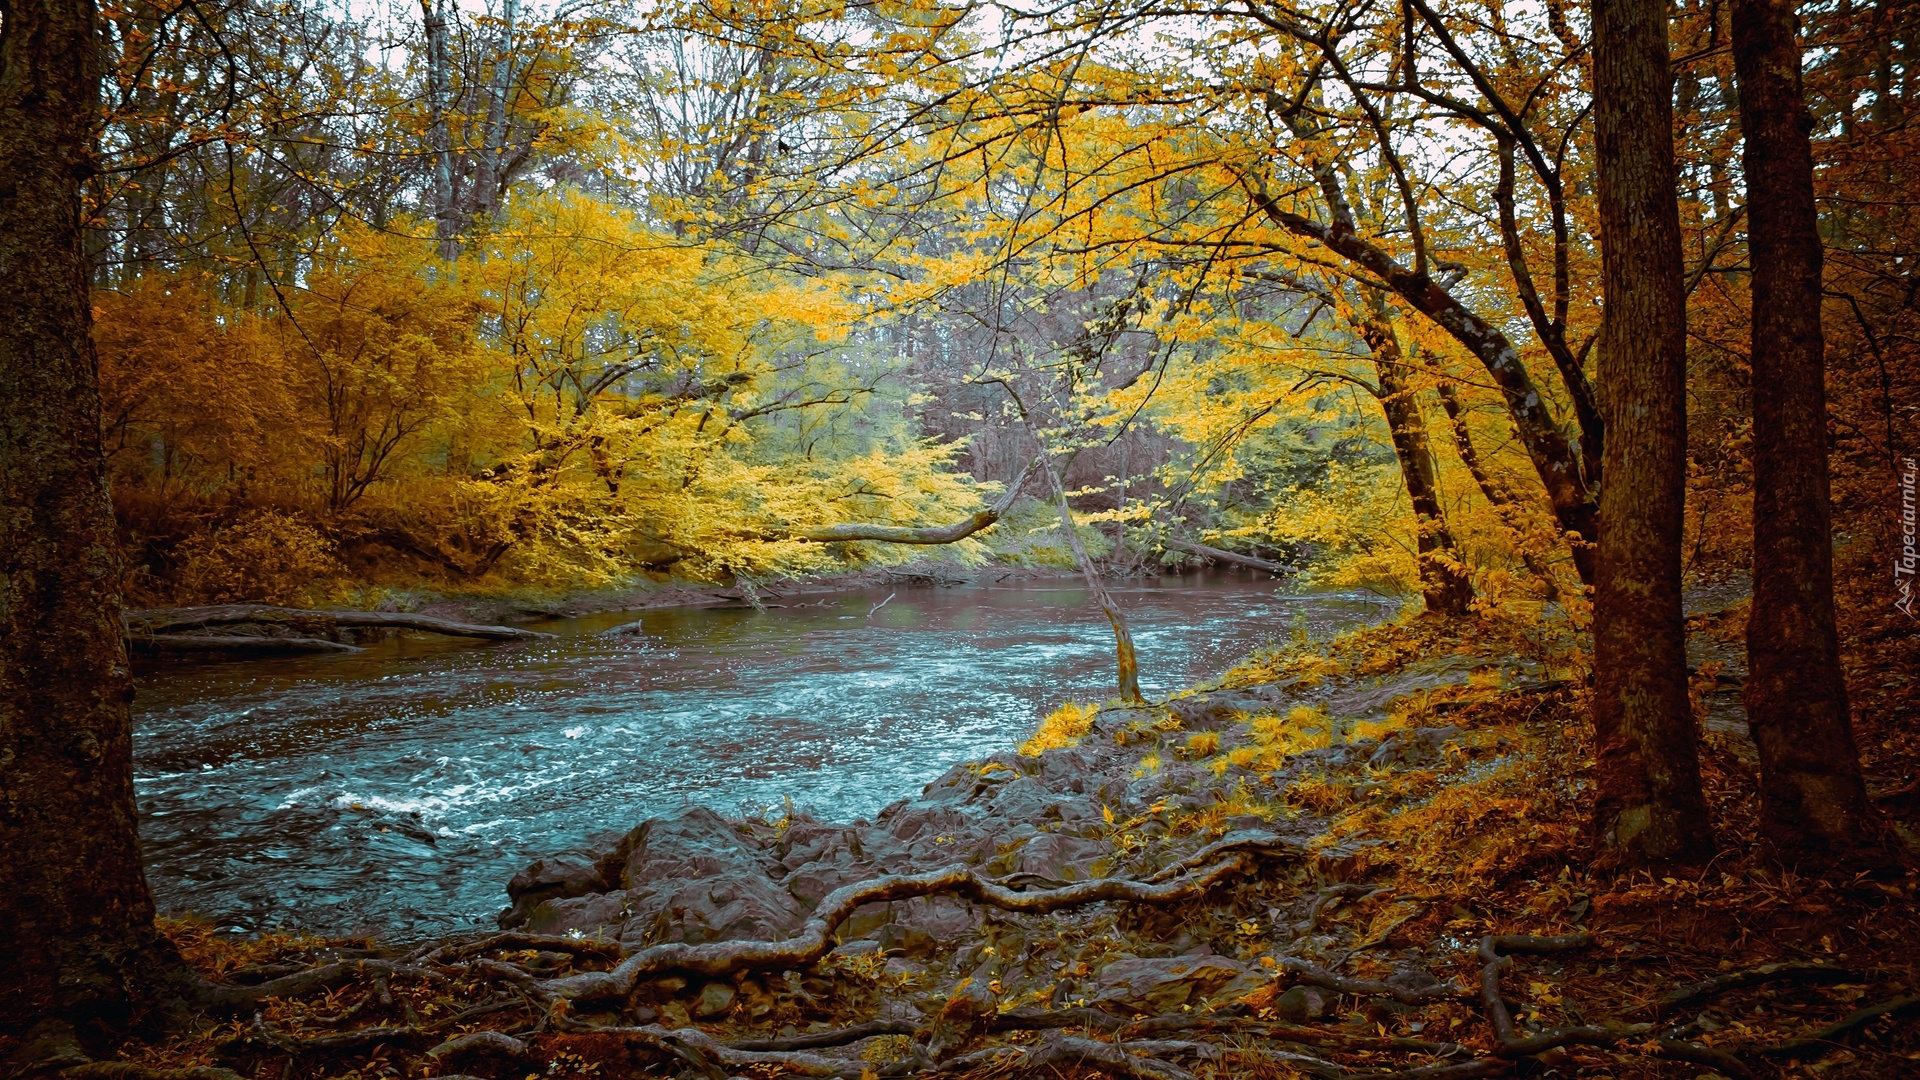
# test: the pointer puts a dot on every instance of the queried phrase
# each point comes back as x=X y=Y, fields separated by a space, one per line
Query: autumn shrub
x=264 y=557
x=1063 y=727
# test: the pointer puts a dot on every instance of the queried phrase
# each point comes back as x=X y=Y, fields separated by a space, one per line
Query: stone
x=600 y=915
x=1060 y=857
x=1301 y=1004
x=1413 y=746
x=758 y=1002
x=551 y=879
x=738 y=905
x=1155 y=985
x=714 y=999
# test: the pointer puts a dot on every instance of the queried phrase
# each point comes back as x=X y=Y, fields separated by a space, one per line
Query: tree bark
x=1649 y=807
x=76 y=919
x=1811 y=790
x=1127 y=664
x=1443 y=578
x=1552 y=455
x=433 y=14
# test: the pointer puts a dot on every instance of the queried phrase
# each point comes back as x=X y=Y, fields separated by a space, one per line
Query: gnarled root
x=719 y=959
x=1494 y=955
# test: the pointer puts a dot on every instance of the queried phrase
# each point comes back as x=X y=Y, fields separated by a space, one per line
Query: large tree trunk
x=1649 y=805
x=1443 y=578
x=76 y=920
x=1811 y=790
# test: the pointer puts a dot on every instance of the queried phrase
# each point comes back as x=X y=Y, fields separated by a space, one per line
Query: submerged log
x=284 y=629
x=1222 y=555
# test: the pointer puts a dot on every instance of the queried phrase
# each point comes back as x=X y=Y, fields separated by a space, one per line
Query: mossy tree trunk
x=76 y=919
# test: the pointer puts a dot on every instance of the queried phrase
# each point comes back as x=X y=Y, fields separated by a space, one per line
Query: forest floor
x=1364 y=858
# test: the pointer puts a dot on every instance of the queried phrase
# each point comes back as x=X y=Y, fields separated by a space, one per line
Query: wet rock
x=1413 y=746
x=1223 y=709
x=599 y=915
x=1153 y=985
x=1301 y=1004
x=551 y=879
x=696 y=878
x=941 y=919
x=1059 y=857
x=736 y=905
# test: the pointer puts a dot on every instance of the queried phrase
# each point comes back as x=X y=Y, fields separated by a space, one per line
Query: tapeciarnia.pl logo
x=1909 y=558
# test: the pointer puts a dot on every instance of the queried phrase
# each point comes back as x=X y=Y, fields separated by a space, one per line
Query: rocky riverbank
x=1099 y=793
x=1356 y=859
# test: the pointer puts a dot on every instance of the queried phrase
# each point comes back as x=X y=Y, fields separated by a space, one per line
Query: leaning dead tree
x=264 y=628
x=931 y=534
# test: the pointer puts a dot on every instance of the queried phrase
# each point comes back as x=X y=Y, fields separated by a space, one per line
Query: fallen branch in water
x=1206 y=551
x=238 y=643
x=719 y=959
x=314 y=630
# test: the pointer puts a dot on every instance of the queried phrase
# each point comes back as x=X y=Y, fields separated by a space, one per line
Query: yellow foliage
x=1063 y=727
x=265 y=557
x=590 y=401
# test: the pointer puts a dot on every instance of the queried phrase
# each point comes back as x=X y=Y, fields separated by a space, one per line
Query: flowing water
x=396 y=790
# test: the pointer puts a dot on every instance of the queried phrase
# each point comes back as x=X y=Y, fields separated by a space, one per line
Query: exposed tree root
x=606 y=950
x=1070 y=1050
x=816 y=939
x=1494 y=950
x=127 y=1070
x=1369 y=987
x=1828 y=1039
x=697 y=1048
x=484 y=1045
x=820 y=1040
x=1733 y=980
x=221 y=998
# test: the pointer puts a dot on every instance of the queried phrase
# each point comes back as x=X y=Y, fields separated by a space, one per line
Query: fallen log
x=237 y=643
x=164 y=621
x=1222 y=555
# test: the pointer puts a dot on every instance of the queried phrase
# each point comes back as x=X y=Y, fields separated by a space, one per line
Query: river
x=396 y=790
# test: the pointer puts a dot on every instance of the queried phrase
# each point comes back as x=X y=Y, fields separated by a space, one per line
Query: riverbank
x=1319 y=863
x=659 y=595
